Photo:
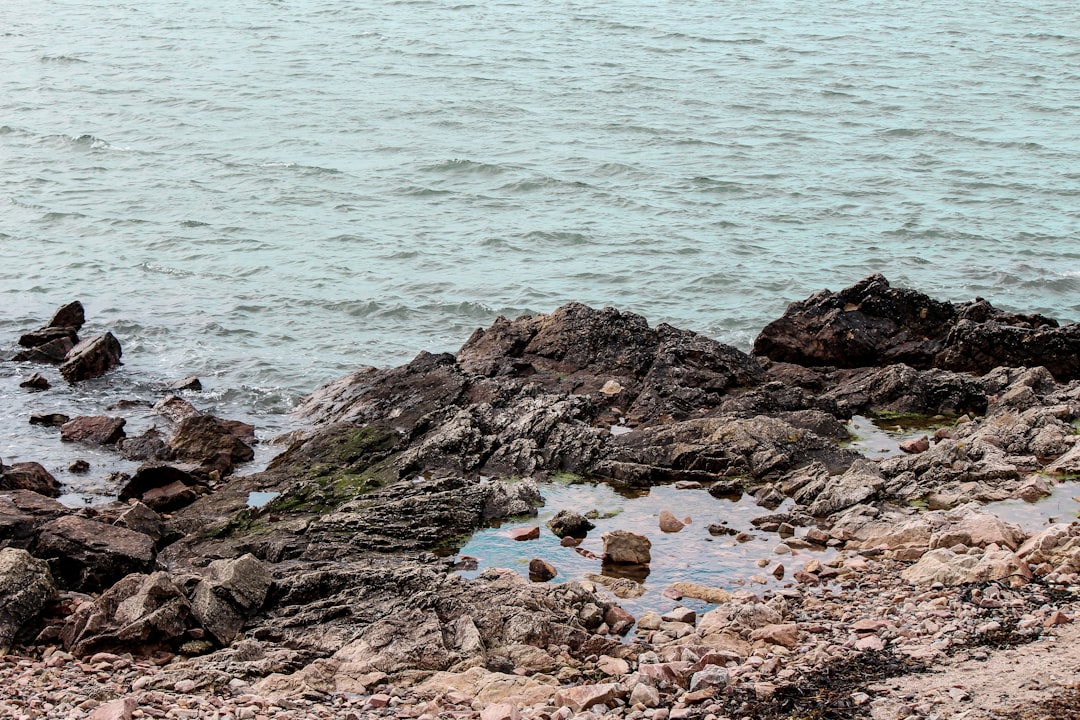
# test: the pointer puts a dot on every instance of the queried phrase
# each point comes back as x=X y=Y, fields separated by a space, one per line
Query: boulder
x=151 y=445
x=91 y=358
x=526 y=533
x=584 y=697
x=72 y=315
x=198 y=437
x=157 y=476
x=541 y=570
x=669 y=523
x=230 y=592
x=37 y=381
x=48 y=419
x=568 y=523
x=872 y=323
x=25 y=587
x=93 y=429
x=53 y=352
x=625 y=547
x=89 y=556
x=22 y=513
x=140 y=613
x=949 y=568
x=175 y=408
x=37 y=338
x=29 y=476
x=189 y=383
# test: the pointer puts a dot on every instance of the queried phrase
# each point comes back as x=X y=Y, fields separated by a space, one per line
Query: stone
x=48 y=419
x=500 y=711
x=93 y=429
x=567 y=523
x=916 y=445
x=949 y=568
x=584 y=697
x=645 y=694
x=26 y=585
x=175 y=408
x=710 y=677
x=527 y=533
x=698 y=591
x=625 y=547
x=79 y=467
x=870 y=643
x=669 y=523
x=618 y=620
x=29 y=476
x=161 y=487
x=786 y=634
x=119 y=709
x=47 y=335
x=151 y=445
x=676 y=673
x=90 y=556
x=37 y=381
x=199 y=437
x=91 y=358
x=612 y=666
x=541 y=570
x=680 y=614
x=189 y=383
x=71 y=315
x=52 y=352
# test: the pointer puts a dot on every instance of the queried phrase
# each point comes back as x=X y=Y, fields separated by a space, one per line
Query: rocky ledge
x=337 y=596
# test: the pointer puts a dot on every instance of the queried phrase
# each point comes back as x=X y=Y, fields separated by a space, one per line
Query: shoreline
x=330 y=592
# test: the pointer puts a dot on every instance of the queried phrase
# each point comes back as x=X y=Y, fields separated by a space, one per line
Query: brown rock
x=79 y=467
x=175 y=408
x=669 y=523
x=500 y=711
x=25 y=586
x=528 y=533
x=541 y=571
x=618 y=620
x=93 y=429
x=1057 y=618
x=623 y=546
x=72 y=315
x=189 y=383
x=46 y=335
x=568 y=523
x=675 y=673
x=120 y=709
x=89 y=556
x=37 y=381
x=91 y=358
x=152 y=476
x=203 y=436
x=29 y=476
x=917 y=445
x=786 y=634
x=583 y=697
x=150 y=445
x=48 y=419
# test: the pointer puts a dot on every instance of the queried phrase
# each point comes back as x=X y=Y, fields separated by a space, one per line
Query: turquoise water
x=269 y=194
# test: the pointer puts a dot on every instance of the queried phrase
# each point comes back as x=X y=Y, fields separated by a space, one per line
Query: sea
x=269 y=194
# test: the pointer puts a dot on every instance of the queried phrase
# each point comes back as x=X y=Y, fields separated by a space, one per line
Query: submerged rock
x=91 y=358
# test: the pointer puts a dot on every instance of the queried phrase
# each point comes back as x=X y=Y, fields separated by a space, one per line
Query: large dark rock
x=53 y=352
x=29 y=476
x=151 y=445
x=25 y=587
x=93 y=429
x=199 y=437
x=22 y=512
x=37 y=338
x=71 y=315
x=872 y=323
x=162 y=487
x=89 y=556
x=91 y=358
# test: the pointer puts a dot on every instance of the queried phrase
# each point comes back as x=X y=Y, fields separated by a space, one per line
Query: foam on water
x=271 y=195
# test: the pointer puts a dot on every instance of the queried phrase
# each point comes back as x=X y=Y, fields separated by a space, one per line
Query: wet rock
x=625 y=547
x=139 y=518
x=541 y=570
x=72 y=315
x=90 y=556
x=37 y=381
x=150 y=445
x=93 y=429
x=25 y=587
x=79 y=467
x=528 y=533
x=175 y=408
x=161 y=487
x=29 y=476
x=189 y=383
x=52 y=352
x=872 y=323
x=202 y=436
x=916 y=445
x=22 y=513
x=861 y=482
x=669 y=523
x=49 y=419
x=91 y=358
x=567 y=523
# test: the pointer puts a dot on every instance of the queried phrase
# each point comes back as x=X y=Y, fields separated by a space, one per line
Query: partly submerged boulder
x=91 y=358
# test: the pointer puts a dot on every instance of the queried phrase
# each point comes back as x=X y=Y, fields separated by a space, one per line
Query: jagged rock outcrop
x=873 y=323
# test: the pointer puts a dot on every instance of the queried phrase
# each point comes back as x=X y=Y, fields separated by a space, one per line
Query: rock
x=625 y=547
x=584 y=697
x=47 y=335
x=138 y=613
x=161 y=487
x=79 y=467
x=139 y=518
x=786 y=634
x=975 y=528
x=646 y=695
x=48 y=419
x=698 y=591
x=619 y=620
x=37 y=381
x=175 y=408
x=916 y=445
x=948 y=568
x=669 y=523
x=90 y=556
x=72 y=315
x=568 y=523
x=872 y=323
x=93 y=429
x=29 y=476
x=119 y=709
x=527 y=533
x=189 y=383
x=22 y=513
x=541 y=571
x=203 y=436
x=870 y=643
x=612 y=666
x=25 y=587
x=150 y=445
x=500 y=711
x=710 y=676
x=91 y=358
x=231 y=591
x=50 y=353
x=680 y=614
x=860 y=483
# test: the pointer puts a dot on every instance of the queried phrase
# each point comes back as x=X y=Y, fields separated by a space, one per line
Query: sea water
x=269 y=194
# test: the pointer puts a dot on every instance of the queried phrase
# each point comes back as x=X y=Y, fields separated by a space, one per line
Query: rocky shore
x=327 y=585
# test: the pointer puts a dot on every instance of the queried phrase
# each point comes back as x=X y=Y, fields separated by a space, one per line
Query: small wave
x=193 y=223
x=419 y=191
x=558 y=237
x=465 y=167
x=60 y=59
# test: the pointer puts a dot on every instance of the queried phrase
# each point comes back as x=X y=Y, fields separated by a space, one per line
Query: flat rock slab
x=93 y=429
